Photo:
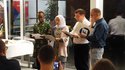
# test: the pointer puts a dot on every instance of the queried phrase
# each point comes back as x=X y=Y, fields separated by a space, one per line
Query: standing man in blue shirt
x=98 y=37
x=7 y=64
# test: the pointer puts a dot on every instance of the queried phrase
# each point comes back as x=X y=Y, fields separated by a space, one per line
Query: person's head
x=60 y=21
x=104 y=64
x=41 y=16
x=95 y=14
x=79 y=14
x=119 y=13
x=46 y=55
x=3 y=48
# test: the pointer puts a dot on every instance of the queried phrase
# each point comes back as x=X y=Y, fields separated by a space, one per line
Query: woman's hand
x=58 y=39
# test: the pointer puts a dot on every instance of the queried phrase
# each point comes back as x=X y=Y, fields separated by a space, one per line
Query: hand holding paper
x=71 y=35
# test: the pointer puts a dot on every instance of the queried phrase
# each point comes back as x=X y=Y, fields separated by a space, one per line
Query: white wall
x=97 y=4
x=62 y=8
x=32 y=11
x=42 y=5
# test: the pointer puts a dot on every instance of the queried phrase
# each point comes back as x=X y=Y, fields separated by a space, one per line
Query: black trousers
x=39 y=43
x=116 y=45
x=81 y=56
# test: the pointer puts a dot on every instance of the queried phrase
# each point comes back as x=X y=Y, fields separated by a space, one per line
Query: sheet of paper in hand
x=50 y=37
x=37 y=36
x=69 y=34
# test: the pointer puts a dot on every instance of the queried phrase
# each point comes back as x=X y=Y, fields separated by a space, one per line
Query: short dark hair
x=40 y=13
x=46 y=54
x=97 y=11
x=119 y=13
x=80 y=11
x=2 y=46
x=104 y=64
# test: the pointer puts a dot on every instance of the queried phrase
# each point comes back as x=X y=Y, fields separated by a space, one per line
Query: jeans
x=96 y=54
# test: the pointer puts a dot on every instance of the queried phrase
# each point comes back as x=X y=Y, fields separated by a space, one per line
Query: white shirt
x=76 y=29
x=117 y=26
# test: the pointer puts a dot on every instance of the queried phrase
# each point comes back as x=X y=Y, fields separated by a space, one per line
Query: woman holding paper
x=61 y=42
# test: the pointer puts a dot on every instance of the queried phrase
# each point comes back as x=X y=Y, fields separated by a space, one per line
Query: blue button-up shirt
x=98 y=36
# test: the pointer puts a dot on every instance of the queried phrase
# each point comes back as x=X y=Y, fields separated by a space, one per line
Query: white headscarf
x=1 y=4
x=62 y=21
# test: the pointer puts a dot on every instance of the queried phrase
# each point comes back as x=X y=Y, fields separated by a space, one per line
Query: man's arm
x=75 y=32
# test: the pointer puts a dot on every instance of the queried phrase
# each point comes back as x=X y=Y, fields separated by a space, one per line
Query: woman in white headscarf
x=61 y=39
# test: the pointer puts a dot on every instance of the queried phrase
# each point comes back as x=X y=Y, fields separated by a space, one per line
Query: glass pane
x=15 y=17
x=2 y=32
x=31 y=7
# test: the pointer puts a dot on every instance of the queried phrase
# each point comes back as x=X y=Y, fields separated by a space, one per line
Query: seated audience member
x=104 y=64
x=46 y=58
x=6 y=64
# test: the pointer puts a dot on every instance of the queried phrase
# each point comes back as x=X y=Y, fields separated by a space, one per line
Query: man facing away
x=47 y=57
x=116 y=40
